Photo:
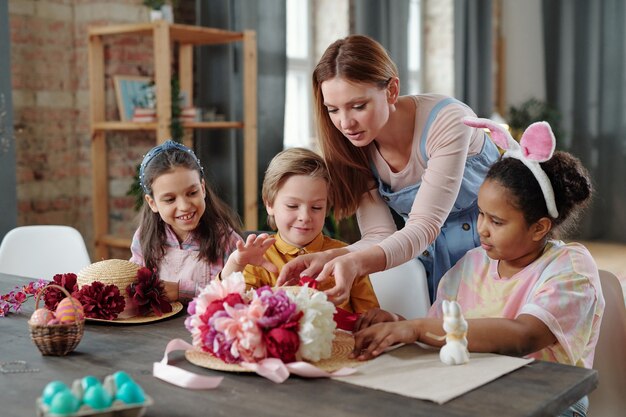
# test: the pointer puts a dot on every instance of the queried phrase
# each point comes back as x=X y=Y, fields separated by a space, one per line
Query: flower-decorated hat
x=116 y=290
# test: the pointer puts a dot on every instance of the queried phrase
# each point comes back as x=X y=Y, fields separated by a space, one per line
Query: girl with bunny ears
x=523 y=292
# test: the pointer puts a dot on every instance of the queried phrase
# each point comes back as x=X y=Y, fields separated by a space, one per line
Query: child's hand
x=250 y=252
x=374 y=340
x=171 y=290
x=373 y=316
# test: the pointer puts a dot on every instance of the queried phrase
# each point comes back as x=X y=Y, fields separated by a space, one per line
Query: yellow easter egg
x=41 y=317
x=67 y=312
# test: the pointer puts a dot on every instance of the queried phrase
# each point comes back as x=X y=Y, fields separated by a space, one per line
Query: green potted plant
x=160 y=9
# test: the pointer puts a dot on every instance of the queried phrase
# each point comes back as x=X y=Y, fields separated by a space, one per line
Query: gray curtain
x=219 y=74
x=473 y=76
x=585 y=56
x=387 y=22
x=8 y=201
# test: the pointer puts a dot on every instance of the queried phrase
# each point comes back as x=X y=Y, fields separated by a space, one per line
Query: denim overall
x=458 y=233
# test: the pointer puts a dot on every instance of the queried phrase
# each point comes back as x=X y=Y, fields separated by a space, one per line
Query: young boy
x=295 y=194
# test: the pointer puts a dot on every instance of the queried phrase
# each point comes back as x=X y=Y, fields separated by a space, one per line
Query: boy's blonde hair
x=290 y=162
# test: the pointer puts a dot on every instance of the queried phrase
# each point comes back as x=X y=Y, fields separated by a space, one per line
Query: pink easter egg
x=69 y=313
x=53 y=322
x=41 y=317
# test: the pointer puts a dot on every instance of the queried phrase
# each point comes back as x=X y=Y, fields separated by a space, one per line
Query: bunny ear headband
x=536 y=145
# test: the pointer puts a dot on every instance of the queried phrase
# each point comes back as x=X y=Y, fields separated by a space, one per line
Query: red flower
x=101 y=301
x=148 y=293
x=231 y=299
x=52 y=296
x=283 y=342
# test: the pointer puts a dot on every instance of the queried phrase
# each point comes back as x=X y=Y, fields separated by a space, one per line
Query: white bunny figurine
x=454 y=352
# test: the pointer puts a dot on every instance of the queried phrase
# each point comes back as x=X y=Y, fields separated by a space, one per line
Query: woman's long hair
x=357 y=59
x=216 y=224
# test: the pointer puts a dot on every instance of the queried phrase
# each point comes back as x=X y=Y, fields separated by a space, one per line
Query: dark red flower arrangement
x=106 y=302
x=101 y=301
x=148 y=293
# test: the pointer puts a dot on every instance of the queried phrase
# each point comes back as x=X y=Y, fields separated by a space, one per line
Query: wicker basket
x=56 y=339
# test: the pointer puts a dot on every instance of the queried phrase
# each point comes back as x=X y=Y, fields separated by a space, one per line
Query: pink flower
x=240 y=327
x=279 y=307
x=14 y=299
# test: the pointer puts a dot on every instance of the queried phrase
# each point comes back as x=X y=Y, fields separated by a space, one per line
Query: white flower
x=316 y=325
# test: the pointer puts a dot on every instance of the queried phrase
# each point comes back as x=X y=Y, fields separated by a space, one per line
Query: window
x=302 y=30
x=415 y=47
x=298 y=113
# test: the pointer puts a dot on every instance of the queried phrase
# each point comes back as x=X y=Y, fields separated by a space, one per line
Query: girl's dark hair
x=570 y=182
x=216 y=224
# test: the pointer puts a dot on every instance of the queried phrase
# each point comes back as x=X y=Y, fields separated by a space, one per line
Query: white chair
x=609 y=399
x=43 y=251
x=403 y=289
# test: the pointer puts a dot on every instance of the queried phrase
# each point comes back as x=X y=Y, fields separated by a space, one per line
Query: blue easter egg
x=97 y=397
x=89 y=381
x=131 y=393
x=64 y=403
x=51 y=390
x=120 y=377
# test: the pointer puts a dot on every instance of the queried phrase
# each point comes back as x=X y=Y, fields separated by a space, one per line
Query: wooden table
x=539 y=389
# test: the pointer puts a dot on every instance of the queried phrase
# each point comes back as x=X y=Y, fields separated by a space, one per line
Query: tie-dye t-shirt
x=561 y=288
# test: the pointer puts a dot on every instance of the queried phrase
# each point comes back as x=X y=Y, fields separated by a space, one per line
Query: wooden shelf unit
x=164 y=35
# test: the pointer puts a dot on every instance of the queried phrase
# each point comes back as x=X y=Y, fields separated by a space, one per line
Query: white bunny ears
x=536 y=145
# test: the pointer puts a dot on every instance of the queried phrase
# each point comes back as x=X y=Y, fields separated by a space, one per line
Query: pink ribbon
x=277 y=371
x=271 y=368
x=178 y=376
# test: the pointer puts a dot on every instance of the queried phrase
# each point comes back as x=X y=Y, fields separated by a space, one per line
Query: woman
x=412 y=154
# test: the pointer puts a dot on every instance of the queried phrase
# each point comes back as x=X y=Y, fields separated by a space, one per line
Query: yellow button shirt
x=362 y=296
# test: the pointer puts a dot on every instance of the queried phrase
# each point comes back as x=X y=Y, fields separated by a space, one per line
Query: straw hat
x=121 y=273
x=343 y=344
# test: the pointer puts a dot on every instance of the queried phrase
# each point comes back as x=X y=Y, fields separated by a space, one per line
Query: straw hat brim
x=177 y=307
x=343 y=344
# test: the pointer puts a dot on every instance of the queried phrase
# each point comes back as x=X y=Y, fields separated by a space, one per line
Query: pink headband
x=536 y=145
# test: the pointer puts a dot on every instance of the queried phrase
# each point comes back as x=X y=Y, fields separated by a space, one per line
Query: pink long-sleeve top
x=448 y=143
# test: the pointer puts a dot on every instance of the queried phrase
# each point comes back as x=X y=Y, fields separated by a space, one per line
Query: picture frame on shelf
x=133 y=92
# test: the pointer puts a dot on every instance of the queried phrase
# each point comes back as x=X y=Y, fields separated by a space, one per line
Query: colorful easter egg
x=89 y=381
x=41 y=317
x=64 y=403
x=121 y=377
x=97 y=397
x=69 y=310
x=53 y=388
x=130 y=393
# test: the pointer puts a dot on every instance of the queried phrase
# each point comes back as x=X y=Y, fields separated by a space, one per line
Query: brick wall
x=51 y=110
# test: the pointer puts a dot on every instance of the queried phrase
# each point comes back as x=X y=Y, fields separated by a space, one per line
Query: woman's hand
x=373 y=316
x=308 y=265
x=374 y=340
x=250 y=252
x=345 y=269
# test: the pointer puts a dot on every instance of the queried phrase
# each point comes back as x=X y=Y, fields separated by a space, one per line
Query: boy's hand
x=373 y=316
x=250 y=252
